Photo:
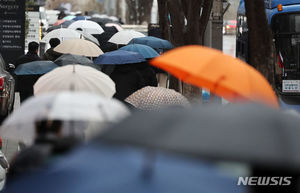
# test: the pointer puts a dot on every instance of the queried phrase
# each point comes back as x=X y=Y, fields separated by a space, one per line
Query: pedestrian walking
x=50 y=54
x=30 y=56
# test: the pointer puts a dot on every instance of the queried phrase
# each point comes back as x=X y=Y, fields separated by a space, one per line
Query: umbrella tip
x=74 y=68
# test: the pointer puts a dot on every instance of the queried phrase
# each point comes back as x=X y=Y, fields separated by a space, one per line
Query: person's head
x=46 y=127
x=54 y=42
x=33 y=47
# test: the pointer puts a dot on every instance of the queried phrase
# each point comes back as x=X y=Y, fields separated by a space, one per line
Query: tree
x=188 y=19
x=139 y=11
x=260 y=39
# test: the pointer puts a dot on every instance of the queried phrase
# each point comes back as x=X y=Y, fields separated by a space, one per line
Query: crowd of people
x=96 y=91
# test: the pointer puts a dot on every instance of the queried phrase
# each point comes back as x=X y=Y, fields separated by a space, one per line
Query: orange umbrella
x=223 y=75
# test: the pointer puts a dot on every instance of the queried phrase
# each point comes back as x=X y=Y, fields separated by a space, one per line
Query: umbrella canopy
x=101 y=21
x=223 y=75
x=125 y=36
x=96 y=15
x=247 y=133
x=92 y=111
x=119 y=57
x=58 y=22
x=81 y=18
x=115 y=25
x=146 y=51
x=158 y=44
x=79 y=47
x=67 y=59
x=89 y=37
x=75 y=78
x=87 y=26
x=69 y=17
x=35 y=68
x=62 y=34
x=105 y=168
x=154 y=98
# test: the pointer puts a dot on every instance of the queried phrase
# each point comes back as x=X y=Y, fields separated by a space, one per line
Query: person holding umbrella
x=50 y=54
x=32 y=54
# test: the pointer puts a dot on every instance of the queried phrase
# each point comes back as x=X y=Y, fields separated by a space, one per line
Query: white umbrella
x=87 y=26
x=75 y=78
x=125 y=36
x=62 y=34
x=89 y=37
x=79 y=47
x=114 y=18
x=83 y=114
x=100 y=15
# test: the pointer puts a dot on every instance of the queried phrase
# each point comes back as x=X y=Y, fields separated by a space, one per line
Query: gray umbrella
x=67 y=59
x=251 y=134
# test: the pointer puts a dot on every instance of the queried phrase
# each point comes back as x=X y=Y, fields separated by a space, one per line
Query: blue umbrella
x=146 y=51
x=35 y=68
x=119 y=57
x=158 y=44
x=103 y=168
x=80 y=17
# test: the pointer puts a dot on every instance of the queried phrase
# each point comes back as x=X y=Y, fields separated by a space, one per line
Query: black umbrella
x=68 y=59
x=101 y=21
x=251 y=134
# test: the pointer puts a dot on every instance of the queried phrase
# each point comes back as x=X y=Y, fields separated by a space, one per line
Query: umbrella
x=83 y=114
x=106 y=168
x=223 y=75
x=63 y=25
x=69 y=17
x=115 y=25
x=87 y=26
x=67 y=59
x=250 y=134
x=158 y=44
x=79 y=47
x=146 y=51
x=75 y=78
x=89 y=37
x=58 y=22
x=80 y=17
x=154 y=98
x=125 y=36
x=114 y=18
x=62 y=34
x=119 y=57
x=96 y=15
x=101 y=21
x=35 y=68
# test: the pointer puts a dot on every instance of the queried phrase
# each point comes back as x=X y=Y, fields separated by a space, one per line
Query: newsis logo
x=264 y=181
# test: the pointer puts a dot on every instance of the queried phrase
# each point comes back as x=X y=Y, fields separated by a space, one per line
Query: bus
x=284 y=21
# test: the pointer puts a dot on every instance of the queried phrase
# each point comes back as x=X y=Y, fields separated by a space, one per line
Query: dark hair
x=33 y=46
x=54 y=42
x=45 y=127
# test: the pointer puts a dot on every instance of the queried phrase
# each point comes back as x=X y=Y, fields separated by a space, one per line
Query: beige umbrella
x=79 y=47
x=75 y=78
x=154 y=98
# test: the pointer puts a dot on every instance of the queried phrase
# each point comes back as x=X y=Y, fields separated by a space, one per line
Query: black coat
x=29 y=57
x=50 y=54
x=130 y=78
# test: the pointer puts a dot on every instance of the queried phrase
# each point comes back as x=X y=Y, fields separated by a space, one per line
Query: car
x=7 y=90
x=229 y=27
